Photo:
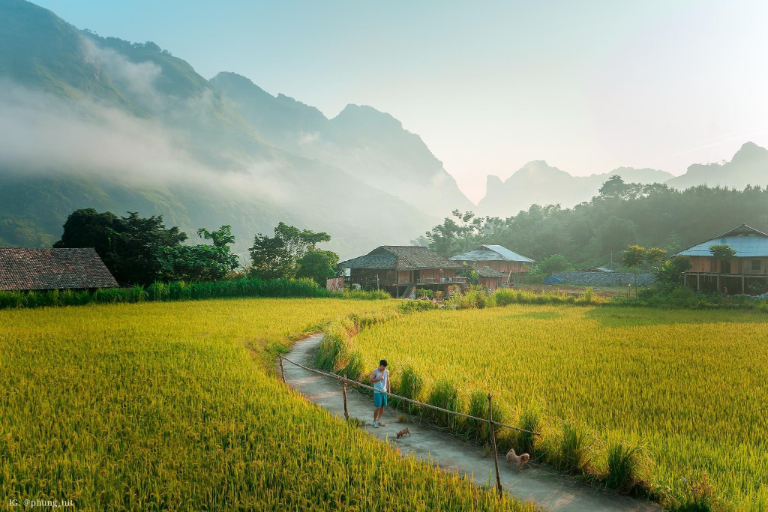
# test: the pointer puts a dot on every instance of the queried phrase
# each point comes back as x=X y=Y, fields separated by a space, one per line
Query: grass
x=161 y=406
x=691 y=387
x=178 y=291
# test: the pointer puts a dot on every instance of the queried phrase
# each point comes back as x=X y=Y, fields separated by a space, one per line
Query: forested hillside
x=622 y=214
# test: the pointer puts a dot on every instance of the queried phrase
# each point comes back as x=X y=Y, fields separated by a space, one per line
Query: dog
x=518 y=460
x=403 y=433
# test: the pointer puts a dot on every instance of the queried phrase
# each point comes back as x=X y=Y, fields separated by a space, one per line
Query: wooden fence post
x=493 y=441
x=344 y=392
x=282 y=370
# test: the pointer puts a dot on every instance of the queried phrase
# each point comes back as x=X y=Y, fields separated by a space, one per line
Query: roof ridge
x=723 y=235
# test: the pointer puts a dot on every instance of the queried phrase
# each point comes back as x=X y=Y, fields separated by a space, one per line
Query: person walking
x=380 y=379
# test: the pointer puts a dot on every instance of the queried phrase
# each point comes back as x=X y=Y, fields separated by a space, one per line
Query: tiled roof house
x=53 y=269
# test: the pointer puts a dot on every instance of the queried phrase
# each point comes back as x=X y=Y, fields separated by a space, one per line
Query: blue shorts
x=379 y=399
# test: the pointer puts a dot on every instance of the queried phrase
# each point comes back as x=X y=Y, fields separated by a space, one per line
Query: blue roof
x=746 y=241
x=491 y=253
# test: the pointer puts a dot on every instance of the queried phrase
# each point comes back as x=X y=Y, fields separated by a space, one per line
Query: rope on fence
x=430 y=406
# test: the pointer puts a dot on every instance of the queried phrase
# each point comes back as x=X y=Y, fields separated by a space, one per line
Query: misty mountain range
x=538 y=183
x=91 y=121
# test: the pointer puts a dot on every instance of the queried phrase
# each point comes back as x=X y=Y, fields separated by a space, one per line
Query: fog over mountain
x=91 y=121
x=100 y=122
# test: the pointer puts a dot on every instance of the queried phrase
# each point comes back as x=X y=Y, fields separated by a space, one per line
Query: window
x=755 y=264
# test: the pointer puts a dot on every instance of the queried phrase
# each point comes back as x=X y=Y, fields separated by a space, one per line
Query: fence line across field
x=430 y=406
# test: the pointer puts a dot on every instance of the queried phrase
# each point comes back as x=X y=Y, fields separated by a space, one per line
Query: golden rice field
x=176 y=406
x=691 y=386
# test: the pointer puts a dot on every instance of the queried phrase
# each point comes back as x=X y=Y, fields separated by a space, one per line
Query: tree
x=456 y=234
x=632 y=258
x=555 y=263
x=617 y=233
x=723 y=253
x=127 y=245
x=672 y=270
x=199 y=262
x=278 y=256
x=614 y=187
x=318 y=265
x=221 y=237
x=654 y=256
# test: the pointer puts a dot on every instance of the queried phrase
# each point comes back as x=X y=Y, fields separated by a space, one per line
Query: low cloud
x=42 y=132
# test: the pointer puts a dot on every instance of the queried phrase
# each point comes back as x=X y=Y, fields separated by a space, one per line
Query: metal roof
x=746 y=241
x=401 y=257
x=491 y=253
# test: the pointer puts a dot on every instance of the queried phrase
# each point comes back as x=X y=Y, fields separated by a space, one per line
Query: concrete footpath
x=549 y=490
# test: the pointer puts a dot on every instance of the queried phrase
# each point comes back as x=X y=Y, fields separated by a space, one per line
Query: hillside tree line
x=621 y=215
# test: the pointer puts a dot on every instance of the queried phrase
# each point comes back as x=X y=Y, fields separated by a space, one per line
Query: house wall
x=505 y=267
x=738 y=266
x=489 y=282
x=386 y=276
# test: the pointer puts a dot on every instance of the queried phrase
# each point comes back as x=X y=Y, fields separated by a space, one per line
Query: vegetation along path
x=546 y=488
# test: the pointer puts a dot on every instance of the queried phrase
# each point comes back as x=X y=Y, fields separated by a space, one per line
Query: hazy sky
x=489 y=86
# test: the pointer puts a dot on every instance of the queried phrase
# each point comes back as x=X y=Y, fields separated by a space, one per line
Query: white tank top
x=382 y=384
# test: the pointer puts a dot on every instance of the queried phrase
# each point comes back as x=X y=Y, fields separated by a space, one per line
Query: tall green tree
x=616 y=234
x=456 y=234
x=655 y=256
x=318 y=265
x=127 y=245
x=632 y=258
x=555 y=263
x=200 y=262
x=278 y=255
x=671 y=272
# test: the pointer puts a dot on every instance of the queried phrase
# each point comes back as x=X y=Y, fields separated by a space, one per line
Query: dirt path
x=544 y=487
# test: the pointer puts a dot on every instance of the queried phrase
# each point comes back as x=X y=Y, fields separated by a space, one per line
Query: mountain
x=749 y=166
x=370 y=145
x=538 y=183
x=99 y=122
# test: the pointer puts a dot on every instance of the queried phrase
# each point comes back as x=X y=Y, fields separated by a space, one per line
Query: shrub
x=444 y=394
x=572 y=453
x=530 y=420
x=355 y=367
x=624 y=467
x=410 y=386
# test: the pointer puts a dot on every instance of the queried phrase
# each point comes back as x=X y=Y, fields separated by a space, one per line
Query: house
x=749 y=265
x=490 y=278
x=53 y=269
x=498 y=258
x=397 y=269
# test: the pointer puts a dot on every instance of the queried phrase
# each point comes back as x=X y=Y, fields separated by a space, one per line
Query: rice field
x=689 y=387
x=176 y=406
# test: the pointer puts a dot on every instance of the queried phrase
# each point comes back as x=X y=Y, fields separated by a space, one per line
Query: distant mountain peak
x=363 y=113
x=493 y=181
x=749 y=153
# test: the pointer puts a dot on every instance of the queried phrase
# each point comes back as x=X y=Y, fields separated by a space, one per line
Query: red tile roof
x=53 y=269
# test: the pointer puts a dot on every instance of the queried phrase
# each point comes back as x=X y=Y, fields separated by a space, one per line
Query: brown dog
x=518 y=460
x=404 y=432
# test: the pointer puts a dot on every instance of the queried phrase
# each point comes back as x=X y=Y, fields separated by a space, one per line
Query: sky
x=489 y=86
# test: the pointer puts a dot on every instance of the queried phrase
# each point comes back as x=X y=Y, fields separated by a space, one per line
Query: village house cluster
x=399 y=270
